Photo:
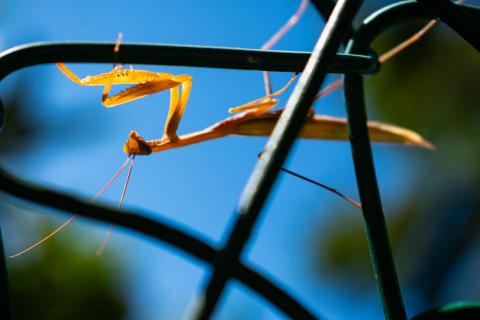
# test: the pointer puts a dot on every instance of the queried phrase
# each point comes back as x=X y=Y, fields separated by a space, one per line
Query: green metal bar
x=262 y=178
x=192 y=56
x=380 y=252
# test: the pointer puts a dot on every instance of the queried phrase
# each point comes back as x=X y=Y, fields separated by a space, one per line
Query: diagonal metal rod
x=325 y=8
x=283 y=136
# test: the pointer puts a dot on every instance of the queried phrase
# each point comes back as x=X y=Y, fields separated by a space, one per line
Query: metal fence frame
x=226 y=260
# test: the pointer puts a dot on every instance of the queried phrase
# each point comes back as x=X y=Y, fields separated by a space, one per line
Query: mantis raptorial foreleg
x=74 y=217
x=144 y=84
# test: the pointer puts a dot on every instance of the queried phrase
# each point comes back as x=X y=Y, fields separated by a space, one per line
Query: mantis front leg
x=144 y=83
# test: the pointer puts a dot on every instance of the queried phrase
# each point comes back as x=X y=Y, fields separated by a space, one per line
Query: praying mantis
x=255 y=118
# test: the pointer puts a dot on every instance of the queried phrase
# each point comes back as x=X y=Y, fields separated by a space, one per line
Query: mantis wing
x=331 y=128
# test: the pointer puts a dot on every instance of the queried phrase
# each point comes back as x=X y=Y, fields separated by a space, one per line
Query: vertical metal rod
x=376 y=230
x=5 y=305
x=379 y=247
x=283 y=136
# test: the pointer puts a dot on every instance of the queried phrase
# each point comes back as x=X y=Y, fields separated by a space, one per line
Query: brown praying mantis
x=255 y=118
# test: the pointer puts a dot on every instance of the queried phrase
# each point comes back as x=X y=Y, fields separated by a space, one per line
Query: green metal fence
x=226 y=261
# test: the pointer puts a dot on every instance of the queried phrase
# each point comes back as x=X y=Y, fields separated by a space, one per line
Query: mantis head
x=136 y=145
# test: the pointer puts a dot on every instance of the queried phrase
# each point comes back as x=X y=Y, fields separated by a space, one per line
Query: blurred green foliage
x=61 y=281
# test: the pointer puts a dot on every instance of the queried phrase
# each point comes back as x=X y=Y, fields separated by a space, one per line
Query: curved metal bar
x=376 y=231
x=162 y=231
x=192 y=56
x=456 y=19
x=394 y=14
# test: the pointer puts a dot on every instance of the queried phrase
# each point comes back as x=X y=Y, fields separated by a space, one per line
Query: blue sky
x=196 y=187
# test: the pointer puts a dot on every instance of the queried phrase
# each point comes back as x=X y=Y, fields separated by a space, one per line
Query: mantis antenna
x=74 y=217
x=107 y=236
x=102 y=246
x=107 y=185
